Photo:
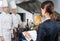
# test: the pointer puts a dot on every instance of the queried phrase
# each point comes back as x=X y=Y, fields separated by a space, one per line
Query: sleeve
x=11 y=30
x=20 y=22
x=12 y=24
x=0 y=29
x=40 y=33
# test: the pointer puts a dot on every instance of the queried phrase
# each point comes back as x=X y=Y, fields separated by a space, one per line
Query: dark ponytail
x=49 y=8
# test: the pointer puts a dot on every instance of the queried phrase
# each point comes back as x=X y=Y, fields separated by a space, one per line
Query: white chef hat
x=13 y=5
x=4 y=3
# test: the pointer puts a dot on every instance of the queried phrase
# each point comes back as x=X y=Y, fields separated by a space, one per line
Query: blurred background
x=30 y=9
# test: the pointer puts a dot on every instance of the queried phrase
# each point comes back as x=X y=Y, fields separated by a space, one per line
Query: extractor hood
x=20 y=1
x=31 y=6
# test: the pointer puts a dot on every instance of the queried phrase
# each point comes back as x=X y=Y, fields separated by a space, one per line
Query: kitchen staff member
x=6 y=22
x=16 y=18
x=48 y=30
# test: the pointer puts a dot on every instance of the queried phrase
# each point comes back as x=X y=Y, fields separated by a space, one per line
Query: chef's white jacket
x=6 y=26
x=16 y=20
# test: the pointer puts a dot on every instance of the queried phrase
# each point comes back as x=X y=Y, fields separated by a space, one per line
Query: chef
x=6 y=22
x=16 y=18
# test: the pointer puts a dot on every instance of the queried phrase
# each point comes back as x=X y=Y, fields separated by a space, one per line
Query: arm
x=20 y=22
x=12 y=35
x=12 y=24
x=40 y=33
x=0 y=29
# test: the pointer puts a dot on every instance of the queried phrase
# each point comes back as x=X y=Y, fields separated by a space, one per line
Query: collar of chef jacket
x=4 y=13
x=13 y=14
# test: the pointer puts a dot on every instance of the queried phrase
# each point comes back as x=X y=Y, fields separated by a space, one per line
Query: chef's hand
x=15 y=30
x=12 y=35
x=2 y=38
x=19 y=25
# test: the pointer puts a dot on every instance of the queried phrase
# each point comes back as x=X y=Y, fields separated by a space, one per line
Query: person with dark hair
x=48 y=30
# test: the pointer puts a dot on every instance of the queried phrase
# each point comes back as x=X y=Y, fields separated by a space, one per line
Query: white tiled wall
x=28 y=14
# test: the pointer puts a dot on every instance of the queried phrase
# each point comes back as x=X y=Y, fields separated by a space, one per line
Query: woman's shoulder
x=49 y=23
